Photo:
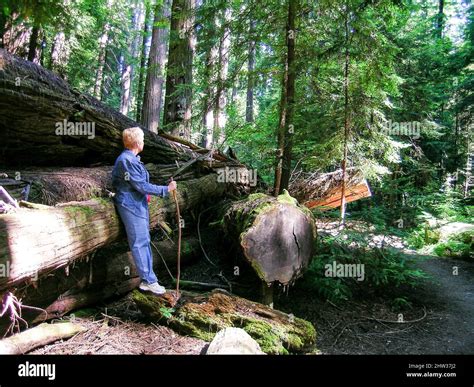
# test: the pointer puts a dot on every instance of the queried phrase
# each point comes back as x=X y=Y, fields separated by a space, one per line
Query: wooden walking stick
x=178 y=217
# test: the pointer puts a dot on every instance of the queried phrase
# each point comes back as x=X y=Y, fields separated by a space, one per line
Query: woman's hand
x=172 y=186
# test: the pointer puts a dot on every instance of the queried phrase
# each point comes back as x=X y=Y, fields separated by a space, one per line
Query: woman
x=130 y=180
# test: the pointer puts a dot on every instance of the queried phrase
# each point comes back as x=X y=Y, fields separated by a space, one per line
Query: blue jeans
x=138 y=235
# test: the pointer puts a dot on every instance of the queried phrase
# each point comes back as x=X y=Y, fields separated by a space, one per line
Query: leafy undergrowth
x=368 y=269
x=434 y=240
x=457 y=246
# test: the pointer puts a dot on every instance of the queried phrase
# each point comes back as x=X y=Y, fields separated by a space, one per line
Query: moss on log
x=203 y=315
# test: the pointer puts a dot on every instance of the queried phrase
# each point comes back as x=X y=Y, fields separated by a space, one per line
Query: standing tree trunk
x=346 y=118
x=101 y=62
x=33 y=45
x=250 y=74
x=3 y=25
x=16 y=36
x=468 y=183
x=440 y=19
x=129 y=59
x=146 y=42
x=210 y=80
x=456 y=154
x=152 y=99
x=286 y=128
x=223 y=67
x=60 y=52
x=177 y=113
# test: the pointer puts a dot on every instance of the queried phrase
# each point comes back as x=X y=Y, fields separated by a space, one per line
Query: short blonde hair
x=132 y=137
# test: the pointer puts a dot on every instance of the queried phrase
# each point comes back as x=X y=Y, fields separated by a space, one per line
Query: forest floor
x=439 y=319
x=355 y=327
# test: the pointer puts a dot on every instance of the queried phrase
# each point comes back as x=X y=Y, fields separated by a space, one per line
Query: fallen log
x=275 y=235
x=43 y=116
x=38 y=336
x=203 y=315
x=257 y=224
x=323 y=191
x=108 y=273
x=50 y=186
x=38 y=241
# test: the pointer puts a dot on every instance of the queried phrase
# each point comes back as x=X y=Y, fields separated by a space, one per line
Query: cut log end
x=279 y=244
x=276 y=235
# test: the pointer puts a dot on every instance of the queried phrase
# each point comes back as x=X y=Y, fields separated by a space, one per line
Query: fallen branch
x=37 y=337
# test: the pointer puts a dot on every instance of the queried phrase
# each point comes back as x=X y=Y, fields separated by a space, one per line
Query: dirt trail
x=368 y=324
x=451 y=299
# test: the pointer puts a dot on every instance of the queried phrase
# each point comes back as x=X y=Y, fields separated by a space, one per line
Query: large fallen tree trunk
x=111 y=272
x=108 y=273
x=203 y=315
x=275 y=235
x=44 y=121
x=37 y=241
x=323 y=191
x=50 y=186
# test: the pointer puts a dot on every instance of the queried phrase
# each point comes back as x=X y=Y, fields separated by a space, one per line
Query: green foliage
x=384 y=268
x=422 y=236
x=457 y=246
x=454 y=249
x=167 y=312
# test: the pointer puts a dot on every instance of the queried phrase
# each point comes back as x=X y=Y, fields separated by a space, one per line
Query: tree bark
x=101 y=62
x=440 y=19
x=210 y=80
x=146 y=43
x=129 y=59
x=16 y=36
x=177 y=113
x=250 y=74
x=33 y=44
x=286 y=128
x=51 y=186
x=323 y=191
x=108 y=273
x=35 y=111
x=39 y=336
x=152 y=100
x=346 y=117
x=222 y=71
x=60 y=52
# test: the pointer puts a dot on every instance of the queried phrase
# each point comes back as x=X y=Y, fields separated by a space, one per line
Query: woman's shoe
x=155 y=288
